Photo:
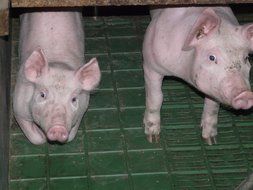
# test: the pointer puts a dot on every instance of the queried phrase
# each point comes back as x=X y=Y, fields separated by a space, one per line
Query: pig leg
x=74 y=130
x=154 y=98
x=32 y=131
x=209 y=121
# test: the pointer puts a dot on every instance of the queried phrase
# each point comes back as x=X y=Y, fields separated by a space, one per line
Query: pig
x=53 y=85
x=206 y=47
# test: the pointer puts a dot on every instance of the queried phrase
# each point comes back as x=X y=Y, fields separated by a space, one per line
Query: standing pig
x=53 y=85
x=206 y=47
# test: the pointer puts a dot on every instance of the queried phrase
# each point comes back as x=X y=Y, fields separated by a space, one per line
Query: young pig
x=53 y=85
x=206 y=47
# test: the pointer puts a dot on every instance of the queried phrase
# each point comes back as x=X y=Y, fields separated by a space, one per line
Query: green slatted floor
x=110 y=151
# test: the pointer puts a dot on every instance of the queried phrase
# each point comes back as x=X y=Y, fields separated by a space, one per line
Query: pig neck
x=186 y=62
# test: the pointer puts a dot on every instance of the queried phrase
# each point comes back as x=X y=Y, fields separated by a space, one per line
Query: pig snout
x=243 y=101
x=58 y=133
x=235 y=91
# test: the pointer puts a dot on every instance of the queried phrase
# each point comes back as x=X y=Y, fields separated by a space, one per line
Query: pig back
x=59 y=34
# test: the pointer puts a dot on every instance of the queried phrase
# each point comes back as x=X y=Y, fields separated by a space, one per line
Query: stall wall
x=4 y=111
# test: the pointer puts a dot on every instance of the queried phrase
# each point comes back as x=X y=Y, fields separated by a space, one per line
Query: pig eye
x=43 y=95
x=213 y=58
x=74 y=100
x=247 y=59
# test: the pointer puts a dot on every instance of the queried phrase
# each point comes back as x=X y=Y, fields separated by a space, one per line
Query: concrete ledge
x=79 y=3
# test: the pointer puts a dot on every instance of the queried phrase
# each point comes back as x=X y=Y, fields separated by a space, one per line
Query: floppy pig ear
x=89 y=75
x=206 y=24
x=248 y=33
x=36 y=65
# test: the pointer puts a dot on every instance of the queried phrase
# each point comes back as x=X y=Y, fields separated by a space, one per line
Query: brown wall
x=4 y=16
x=64 y=3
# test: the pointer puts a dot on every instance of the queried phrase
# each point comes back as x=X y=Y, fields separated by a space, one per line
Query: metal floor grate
x=110 y=150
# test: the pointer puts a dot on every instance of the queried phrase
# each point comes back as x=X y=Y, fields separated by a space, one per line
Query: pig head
x=206 y=47
x=220 y=67
x=53 y=98
x=53 y=85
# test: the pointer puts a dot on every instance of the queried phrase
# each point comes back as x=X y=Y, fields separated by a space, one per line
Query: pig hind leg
x=209 y=121
x=32 y=131
x=154 y=98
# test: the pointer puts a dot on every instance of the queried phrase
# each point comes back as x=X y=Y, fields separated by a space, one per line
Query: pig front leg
x=32 y=131
x=74 y=130
x=209 y=121
x=154 y=98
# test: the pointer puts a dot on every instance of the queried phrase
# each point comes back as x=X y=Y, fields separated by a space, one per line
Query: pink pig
x=53 y=85
x=206 y=47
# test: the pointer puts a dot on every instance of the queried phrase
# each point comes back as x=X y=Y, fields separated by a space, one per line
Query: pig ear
x=206 y=24
x=36 y=65
x=247 y=31
x=89 y=75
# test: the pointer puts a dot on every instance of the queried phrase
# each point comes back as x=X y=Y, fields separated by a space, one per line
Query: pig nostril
x=64 y=137
x=51 y=135
x=63 y=134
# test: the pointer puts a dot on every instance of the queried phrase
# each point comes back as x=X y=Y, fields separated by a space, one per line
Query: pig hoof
x=152 y=131
x=37 y=141
x=211 y=140
x=209 y=132
x=156 y=138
